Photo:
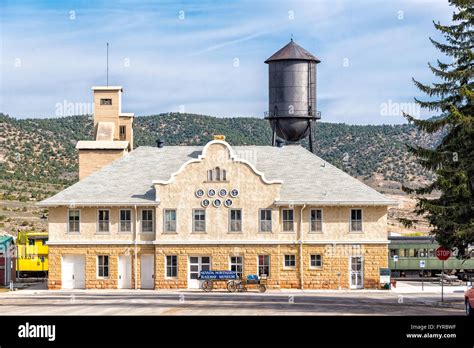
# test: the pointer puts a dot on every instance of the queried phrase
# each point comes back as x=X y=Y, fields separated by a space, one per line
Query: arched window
x=216 y=174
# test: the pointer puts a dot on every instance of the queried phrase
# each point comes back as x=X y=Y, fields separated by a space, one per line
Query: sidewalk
x=402 y=288
x=429 y=288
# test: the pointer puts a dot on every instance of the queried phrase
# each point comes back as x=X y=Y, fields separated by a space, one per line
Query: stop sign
x=442 y=253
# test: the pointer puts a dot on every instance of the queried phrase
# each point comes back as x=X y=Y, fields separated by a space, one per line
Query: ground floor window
x=171 y=266
x=103 y=266
x=316 y=260
x=290 y=261
x=236 y=265
x=263 y=265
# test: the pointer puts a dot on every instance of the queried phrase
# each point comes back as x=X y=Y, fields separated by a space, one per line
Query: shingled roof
x=305 y=177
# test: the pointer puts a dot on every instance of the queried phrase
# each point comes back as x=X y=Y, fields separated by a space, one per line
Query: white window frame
x=311 y=221
x=241 y=264
x=102 y=101
x=108 y=267
x=230 y=221
x=124 y=127
x=165 y=229
x=120 y=220
x=98 y=222
x=283 y=221
x=269 y=264
x=193 y=221
x=310 y=263
x=171 y=267
x=152 y=221
x=68 y=222
x=284 y=261
x=361 y=220
x=260 y=220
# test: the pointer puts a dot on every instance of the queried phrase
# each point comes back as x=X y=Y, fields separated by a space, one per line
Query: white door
x=147 y=271
x=356 y=275
x=73 y=272
x=125 y=272
x=196 y=265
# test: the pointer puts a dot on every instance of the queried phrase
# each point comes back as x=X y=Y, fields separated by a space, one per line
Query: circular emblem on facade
x=217 y=203
x=228 y=202
x=199 y=193
x=223 y=192
x=211 y=192
x=205 y=203
x=234 y=192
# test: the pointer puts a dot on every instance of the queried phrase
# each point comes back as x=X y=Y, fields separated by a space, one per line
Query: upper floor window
x=287 y=220
x=170 y=220
x=265 y=220
x=235 y=220
x=103 y=221
x=316 y=220
x=216 y=174
x=147 y=220
x=125 y=224
x=356 y=220
x=199 y=220
x=105 y=101
x=74 y=217
x=123 y=132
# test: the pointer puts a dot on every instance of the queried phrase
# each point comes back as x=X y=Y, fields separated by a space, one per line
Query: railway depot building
x=154 y=217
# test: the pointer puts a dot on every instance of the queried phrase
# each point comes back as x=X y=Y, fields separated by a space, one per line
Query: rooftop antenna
x=292 y=37
x=107 y=64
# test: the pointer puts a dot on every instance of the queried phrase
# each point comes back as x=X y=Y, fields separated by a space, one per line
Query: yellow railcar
x=32 y=253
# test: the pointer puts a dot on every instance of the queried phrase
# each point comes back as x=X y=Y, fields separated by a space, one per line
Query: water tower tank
x=292 y=92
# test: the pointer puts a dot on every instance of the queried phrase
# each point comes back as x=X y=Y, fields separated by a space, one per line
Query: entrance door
x=125 y=272
x=147 y=272
x=196 y=265
x=73 y=272
x=356 y=272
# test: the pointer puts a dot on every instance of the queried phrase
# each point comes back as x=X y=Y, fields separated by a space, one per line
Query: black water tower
x=292 y=94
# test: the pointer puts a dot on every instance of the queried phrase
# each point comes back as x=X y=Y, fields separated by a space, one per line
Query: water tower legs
x=310 y=135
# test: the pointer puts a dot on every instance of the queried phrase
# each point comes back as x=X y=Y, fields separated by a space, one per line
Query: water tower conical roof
x=292 y=51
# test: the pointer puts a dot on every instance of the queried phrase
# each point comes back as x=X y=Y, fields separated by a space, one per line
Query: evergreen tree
x=451 y=215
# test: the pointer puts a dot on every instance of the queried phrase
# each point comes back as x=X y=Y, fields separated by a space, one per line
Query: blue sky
x=207 y=56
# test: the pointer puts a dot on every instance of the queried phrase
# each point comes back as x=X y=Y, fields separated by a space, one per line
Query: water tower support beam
x=310 y=136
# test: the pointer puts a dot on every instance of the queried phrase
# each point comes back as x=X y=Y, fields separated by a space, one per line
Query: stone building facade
x=154 y=217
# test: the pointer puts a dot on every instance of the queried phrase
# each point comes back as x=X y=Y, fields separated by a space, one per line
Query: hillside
x=38 y=156
x=42 y=150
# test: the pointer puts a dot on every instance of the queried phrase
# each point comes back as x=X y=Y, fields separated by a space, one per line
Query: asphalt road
x=149 y=302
